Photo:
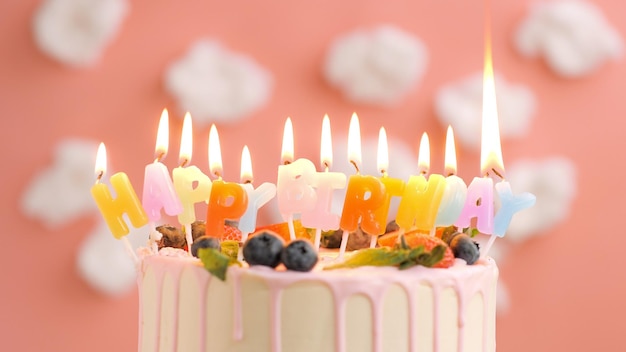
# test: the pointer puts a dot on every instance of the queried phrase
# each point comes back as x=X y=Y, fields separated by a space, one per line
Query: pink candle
x=158 y=189
x=321 y=217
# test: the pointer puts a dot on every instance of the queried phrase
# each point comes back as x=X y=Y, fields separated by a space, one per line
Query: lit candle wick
x=184 y=163
x=159 y=157
x=358 y=172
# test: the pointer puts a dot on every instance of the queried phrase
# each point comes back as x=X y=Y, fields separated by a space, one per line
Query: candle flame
x=286 y=156
x=450 y=156
x=354 y=141
x=382 y=160
x=101 y=161
x=246 y=166
x=326 y=147
x=163 y=136
x=215 y=152
x=490 y=150
x=423 y=158
x=186 y=141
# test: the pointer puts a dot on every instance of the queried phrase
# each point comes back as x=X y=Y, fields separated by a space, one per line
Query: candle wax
x=452 y=201
x=321 y=217
x=479 y=205
x=228 y=200
x=509 y=205
x=256 y=199
x=184 y=180
x=158 y=192
x=126 y=202
x=294 y=191
x=364 y=196
x=420 y=202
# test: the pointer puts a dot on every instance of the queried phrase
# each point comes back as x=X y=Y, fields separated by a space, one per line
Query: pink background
x=567 y=288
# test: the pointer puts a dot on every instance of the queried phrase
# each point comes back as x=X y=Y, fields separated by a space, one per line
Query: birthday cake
x=447 y=307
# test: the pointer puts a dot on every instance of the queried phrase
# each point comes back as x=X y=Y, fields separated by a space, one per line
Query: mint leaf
x=216 y=262
x=373 y=257
x=434 y=257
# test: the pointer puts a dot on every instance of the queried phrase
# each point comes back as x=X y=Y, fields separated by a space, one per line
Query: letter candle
x=256 y=197
x=158 y=189
x=456 y=190
x=228 y=200
x=394 y=187
x=364 y=196
x=113 y=209
x=293 y=187
x=421 y=198
x=321 y=217
x=185 y=176
x=491 y=164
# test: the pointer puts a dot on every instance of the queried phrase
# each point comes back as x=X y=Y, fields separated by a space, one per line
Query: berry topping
x=231 y=233
x=465 y=248
x=416 y=239
x=205 y=242
x=282 y=230
x=263 y=248
x=172 y=237
x=299 y=255
x=197 y=229
x=356 y=240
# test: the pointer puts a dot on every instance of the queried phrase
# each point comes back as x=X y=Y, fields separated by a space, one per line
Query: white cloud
x=60 y=192
x=377 y=66
x=215 y=84
x=459 y=104
x=104 y=263
x=553 y=182
x=76 y=32
x=573 y=36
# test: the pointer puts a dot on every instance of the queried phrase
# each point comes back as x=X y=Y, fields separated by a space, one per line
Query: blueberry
x=465 y=248
x=299 y=255
x=205 y=242
x=263 y=249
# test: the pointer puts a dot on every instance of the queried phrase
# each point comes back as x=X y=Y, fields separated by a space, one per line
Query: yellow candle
x=421 y=198
x=186 y=177
x=394 y=187
x=113 y=209
x=420 y=202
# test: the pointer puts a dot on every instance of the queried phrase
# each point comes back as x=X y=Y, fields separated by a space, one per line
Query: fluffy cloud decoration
x=215 y=84
x=377 y=66
x=103 y=261
x=573 y=36
x=459 y=104
x=553 y=181
x=60 y=193
x=76 y=32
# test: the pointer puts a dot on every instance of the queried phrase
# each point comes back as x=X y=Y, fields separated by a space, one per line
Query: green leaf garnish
x=216 y=262
x=230 y=248
x=403 y=258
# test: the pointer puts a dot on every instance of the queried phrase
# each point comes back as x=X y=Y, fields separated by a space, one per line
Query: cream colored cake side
x=183 y=308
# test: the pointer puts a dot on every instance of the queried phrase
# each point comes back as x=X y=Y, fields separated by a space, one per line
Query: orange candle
x=228 y=200
x=113 y=209
x=364 y=195
x=421 y=198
